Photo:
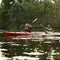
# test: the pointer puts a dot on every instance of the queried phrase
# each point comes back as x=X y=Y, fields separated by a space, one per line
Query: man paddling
x=48 y=29
x=28 y=27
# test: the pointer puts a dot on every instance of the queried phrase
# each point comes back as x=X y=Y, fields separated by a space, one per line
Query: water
x=29 y=50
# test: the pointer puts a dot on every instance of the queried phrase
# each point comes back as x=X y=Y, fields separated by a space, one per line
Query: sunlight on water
x=33 y=51
x=1 y=55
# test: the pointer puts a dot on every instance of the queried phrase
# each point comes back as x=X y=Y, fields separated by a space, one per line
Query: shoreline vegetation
x=14 y=14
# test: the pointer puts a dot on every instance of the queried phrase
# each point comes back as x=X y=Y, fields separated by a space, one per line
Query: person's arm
x=29 y=25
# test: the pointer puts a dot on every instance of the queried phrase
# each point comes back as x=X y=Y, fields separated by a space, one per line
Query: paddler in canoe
x=48 y=29
x=28 y=27
x=48 y=32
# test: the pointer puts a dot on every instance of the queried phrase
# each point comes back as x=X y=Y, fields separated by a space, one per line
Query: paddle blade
x=34 y=20
x=42 y=25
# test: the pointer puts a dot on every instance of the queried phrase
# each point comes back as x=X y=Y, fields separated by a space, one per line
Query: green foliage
x=7 y=4
x=14 y=16
x=4 y=17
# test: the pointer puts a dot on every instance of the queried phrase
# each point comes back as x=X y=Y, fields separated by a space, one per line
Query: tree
x=17 y=14
x=4 y=17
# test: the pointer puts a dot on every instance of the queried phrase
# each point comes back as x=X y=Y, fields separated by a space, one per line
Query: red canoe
x=17 y=34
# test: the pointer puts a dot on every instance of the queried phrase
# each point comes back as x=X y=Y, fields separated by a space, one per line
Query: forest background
x=15 y=13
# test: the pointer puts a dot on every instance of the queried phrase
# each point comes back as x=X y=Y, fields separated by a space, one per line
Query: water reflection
x=34 y=50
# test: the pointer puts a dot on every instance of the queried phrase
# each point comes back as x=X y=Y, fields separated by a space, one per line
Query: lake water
x=29 y=50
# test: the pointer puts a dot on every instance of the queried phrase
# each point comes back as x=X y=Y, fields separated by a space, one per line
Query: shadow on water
x=48 y=51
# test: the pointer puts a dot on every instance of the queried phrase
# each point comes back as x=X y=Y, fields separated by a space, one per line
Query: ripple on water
x=11 y=48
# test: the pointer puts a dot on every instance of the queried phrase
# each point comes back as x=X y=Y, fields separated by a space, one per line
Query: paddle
x=34 y=20
x=42 y=26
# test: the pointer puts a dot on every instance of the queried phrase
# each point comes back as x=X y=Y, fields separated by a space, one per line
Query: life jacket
x=48 y=29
